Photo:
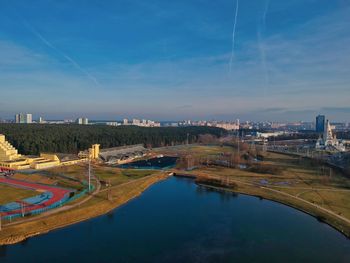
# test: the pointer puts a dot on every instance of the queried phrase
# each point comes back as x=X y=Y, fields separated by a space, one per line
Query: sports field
x=45 y=196
x=10 y=194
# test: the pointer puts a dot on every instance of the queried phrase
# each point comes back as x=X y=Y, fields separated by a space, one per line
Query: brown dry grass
x=35 y=178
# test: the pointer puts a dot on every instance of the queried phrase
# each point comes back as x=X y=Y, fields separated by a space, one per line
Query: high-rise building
x=23 y=118
x=83 y=121
x=125 y=121
x=136 y=122
x=320 y=123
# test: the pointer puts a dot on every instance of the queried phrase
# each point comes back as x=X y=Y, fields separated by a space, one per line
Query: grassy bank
x=98 y=205
x=280 y=197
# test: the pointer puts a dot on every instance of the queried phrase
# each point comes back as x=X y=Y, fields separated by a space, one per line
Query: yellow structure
x=10 y=158
x=46 y=160
x=95 y=151
x=7 y=151
x=92 y=153
x=72 y=162
x=49 y=156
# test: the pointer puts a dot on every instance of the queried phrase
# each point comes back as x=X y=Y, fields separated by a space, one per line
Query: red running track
x=57 y=194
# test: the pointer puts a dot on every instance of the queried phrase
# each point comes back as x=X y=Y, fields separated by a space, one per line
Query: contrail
x=267 y=4
x=68 y=58
x=233 y=34
x=263 y=59
x=262 y=47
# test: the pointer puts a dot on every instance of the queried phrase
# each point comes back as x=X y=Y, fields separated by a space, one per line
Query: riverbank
x=327 y=216
x=99 y=204
x=304 y=184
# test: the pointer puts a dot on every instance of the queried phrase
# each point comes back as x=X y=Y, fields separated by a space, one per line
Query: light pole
x=22 y=209
x=89 y=172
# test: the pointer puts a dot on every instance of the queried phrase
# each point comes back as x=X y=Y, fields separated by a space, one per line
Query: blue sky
x=170 y=60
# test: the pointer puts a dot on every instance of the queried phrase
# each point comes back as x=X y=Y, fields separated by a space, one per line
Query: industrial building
x=124 y=154
x=115 y=155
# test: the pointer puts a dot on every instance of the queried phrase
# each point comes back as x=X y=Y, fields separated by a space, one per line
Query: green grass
x=10 y=194
x=137 y=173
x=196 y=150
x=118 y=176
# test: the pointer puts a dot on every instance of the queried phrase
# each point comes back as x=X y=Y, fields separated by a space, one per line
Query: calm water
x=176 y=221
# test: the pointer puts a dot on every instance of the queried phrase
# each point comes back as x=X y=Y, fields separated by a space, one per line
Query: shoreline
x=51 y=222
x=321 y=220
x=318 y=215
x=321 y=216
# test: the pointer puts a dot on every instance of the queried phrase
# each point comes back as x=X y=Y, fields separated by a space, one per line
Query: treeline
x=296 y=136
x=71 y=138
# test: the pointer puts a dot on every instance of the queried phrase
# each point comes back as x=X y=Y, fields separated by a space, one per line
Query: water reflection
x=25 y=242
x=110 y=217
x=224 y=194
x=178 y=221
x=3 y=250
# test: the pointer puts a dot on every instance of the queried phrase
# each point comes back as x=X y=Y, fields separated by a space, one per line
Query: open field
x=10 y=194
x=195 y=150
x=105 y=174
x=116 y=176
x=78 y=172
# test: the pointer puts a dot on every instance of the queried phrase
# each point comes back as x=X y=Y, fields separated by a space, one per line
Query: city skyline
x=318 y=124
x=171 y=61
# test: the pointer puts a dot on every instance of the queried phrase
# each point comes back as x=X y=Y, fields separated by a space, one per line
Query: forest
x=72 y=138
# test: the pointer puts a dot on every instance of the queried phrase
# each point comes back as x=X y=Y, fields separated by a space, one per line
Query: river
x=177 y=221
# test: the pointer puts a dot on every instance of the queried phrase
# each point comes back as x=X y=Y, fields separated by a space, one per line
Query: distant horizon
x=120 y=119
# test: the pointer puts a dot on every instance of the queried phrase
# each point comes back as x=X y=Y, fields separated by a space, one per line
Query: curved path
x=288 y=195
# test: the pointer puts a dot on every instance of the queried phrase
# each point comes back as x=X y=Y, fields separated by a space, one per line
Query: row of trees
x=35 y=138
